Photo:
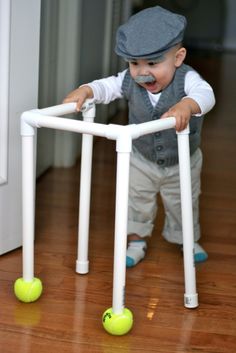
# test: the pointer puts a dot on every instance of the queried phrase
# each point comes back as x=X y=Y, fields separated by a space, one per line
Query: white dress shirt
x=108 y=89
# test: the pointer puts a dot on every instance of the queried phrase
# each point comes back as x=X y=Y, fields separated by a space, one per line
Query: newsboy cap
x=149 y=33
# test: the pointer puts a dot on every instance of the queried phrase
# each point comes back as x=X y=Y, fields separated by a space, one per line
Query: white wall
x=23 y=94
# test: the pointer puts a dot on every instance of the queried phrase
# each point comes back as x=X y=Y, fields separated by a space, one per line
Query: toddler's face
x=156 y=75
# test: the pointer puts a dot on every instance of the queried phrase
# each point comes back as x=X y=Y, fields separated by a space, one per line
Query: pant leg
x=170 y=193
x=143 y=189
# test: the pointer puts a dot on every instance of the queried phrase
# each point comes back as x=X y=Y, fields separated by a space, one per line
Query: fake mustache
x=144 y=79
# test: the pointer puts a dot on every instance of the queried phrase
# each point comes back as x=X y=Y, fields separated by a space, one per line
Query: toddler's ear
x=180 y=56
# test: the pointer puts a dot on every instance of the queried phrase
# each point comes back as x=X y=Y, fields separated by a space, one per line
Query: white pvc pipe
x=5 y=25
x=190 y=296
x=68 y=108
x=82 y=263
x=58 y=110
x=28 y=206
x=35 y=119
x=155 y=125
x=121 y=218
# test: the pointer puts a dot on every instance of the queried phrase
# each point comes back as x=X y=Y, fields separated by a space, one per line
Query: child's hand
x=182 y=111
x=79 y=96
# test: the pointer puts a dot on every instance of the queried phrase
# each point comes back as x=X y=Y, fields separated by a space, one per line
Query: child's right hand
x=79 y=96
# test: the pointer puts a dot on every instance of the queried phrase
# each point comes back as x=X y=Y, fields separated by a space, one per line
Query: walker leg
x=190 y=296
x=119 y=320
x=28 y=288
x=82 y=263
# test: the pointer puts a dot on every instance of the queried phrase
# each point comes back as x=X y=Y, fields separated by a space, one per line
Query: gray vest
x=160 y=147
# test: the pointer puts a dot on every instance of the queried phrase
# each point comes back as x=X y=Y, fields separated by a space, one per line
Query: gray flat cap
x=149 y=33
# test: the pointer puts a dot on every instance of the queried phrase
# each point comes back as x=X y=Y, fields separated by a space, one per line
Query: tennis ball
x=117 y=324
x=28 y=292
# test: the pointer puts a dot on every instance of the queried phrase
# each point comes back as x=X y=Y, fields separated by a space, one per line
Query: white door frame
x=5 y=22
x=19 y=65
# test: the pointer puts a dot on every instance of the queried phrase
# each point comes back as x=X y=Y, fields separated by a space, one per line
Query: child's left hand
x=182 y=111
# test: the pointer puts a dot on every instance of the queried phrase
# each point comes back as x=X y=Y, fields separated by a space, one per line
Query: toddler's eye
x=156 y=61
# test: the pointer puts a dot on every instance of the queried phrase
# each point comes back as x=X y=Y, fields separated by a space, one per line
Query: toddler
x=157 y=85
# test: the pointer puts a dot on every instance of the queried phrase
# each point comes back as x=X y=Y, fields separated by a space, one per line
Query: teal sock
x=200 y=254
x=135 y=252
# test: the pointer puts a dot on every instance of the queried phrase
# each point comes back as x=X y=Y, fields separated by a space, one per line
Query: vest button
x=159 y=148
x=158 y=134
x=160 y=161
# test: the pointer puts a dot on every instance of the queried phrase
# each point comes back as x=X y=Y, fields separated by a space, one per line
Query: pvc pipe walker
x=123 y=135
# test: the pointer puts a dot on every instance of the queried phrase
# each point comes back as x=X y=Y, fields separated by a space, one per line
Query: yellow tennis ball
x=117 y=324
x=28 y=292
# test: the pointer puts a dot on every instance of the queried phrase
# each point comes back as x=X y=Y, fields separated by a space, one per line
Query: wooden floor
x=67 y=318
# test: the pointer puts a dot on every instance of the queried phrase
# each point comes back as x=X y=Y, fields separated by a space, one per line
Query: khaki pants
x=147 y=179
